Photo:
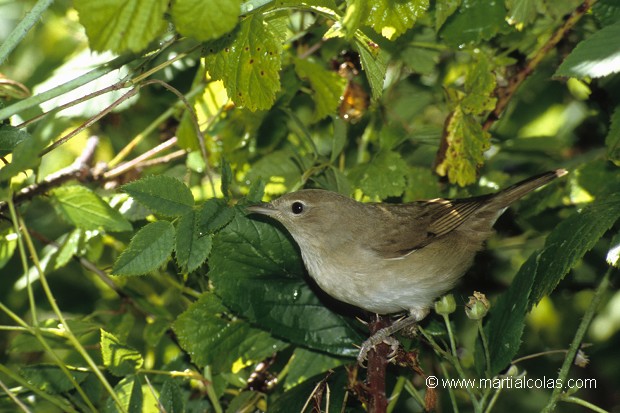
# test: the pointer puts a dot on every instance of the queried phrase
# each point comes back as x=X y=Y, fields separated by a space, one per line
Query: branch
x=377 y=365
x=505 y=94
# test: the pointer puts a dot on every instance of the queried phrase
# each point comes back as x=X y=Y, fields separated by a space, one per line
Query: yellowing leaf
x=328 y=87
x=205 y=20
x=248 y=61
x=467 y=142
x=121 y=25
x=393 y=18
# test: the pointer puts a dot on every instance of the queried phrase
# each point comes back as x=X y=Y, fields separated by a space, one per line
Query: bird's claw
x=372 y=342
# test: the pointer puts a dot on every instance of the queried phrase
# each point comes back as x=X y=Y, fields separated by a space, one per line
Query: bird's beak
x=264 y=209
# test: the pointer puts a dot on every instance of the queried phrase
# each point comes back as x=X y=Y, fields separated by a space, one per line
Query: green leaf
x=205 y=20
x=393 y=18
x=25 y=152
x=613 y=255
x=119 y=358
x=540 y=274
x=248 y=61
x=306 y=363
x=612 y=141
x=69 y=246
x=443 y=10
x=171 y=398
x=281 y=168
x=86 y=210
x=259 y=275
x=51 y=378
x=212 y=338
x=227 y=178
x=192 y=247
x=607 y=11
x=479 y=87
x=10 y=137
x=596 y=56
x=374 y=63
x=8 y=243
x=120 y=25
x=383 y=177
x=147 y=251
x=328 y=87
x=129 y=391
x=467 y=142
x=162 y=194
x=353 y=17
x=213 y=215
x=475 y=21
x=521 y=12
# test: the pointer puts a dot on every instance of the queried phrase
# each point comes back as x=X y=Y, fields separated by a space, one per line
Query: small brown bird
x=389 y=258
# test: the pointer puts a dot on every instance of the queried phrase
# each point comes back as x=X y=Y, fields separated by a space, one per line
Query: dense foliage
x=134 y=133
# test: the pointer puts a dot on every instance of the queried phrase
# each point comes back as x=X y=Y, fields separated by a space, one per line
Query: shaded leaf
x=192 y=246
x=10 y=137
x=119 y=358
x=205 y=20
x=259 y=274
x=328 y=87
x=211 y=338
x=474 y=21
x=171 y=398
x=521 y=12
x=121 y=25
x=51 y=378
x=86 y=210
x=162 y=194
x=306 y=363
x=213 y=215
x=612 y=141
x=147 y=251
x=596 y=56
x=25 y=152
x=248 y=61
x=383 y=177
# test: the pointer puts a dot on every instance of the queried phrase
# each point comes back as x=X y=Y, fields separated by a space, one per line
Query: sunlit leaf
x=121 y=25
x=467 y=142
x=382 y=177
x=393 y=18
x=596 y=56
x=86 y=210
x=205 y=20
x=129 y=392
x=248 y=61
x=119 y=358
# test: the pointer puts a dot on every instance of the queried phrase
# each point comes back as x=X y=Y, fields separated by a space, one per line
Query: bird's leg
x=384 y=335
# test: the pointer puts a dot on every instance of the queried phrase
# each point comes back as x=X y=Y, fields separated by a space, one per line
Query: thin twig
x=124 y=167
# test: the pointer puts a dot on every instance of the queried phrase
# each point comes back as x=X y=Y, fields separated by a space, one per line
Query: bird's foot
x=379 y=337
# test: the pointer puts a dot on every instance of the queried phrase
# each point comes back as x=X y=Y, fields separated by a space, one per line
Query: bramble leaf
x=147 y=251
x=162 y=194
x=205 y=20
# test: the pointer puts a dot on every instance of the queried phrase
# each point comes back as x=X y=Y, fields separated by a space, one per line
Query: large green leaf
x=259 y=275
x=248 y=61
x=129 y=392
x=162 y=194
x=147 y=251
x=120 y=25
x=51 y=378
x=205 y=20
x=211 y=338
x=541 y=273
x=596 y=56
x=474 y=21
x=86 y=210
x=10 y=137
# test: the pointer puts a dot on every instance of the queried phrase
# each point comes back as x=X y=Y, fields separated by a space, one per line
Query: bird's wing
x=417 y=224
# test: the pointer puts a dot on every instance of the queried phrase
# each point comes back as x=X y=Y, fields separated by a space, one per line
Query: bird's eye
x=297 y=208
